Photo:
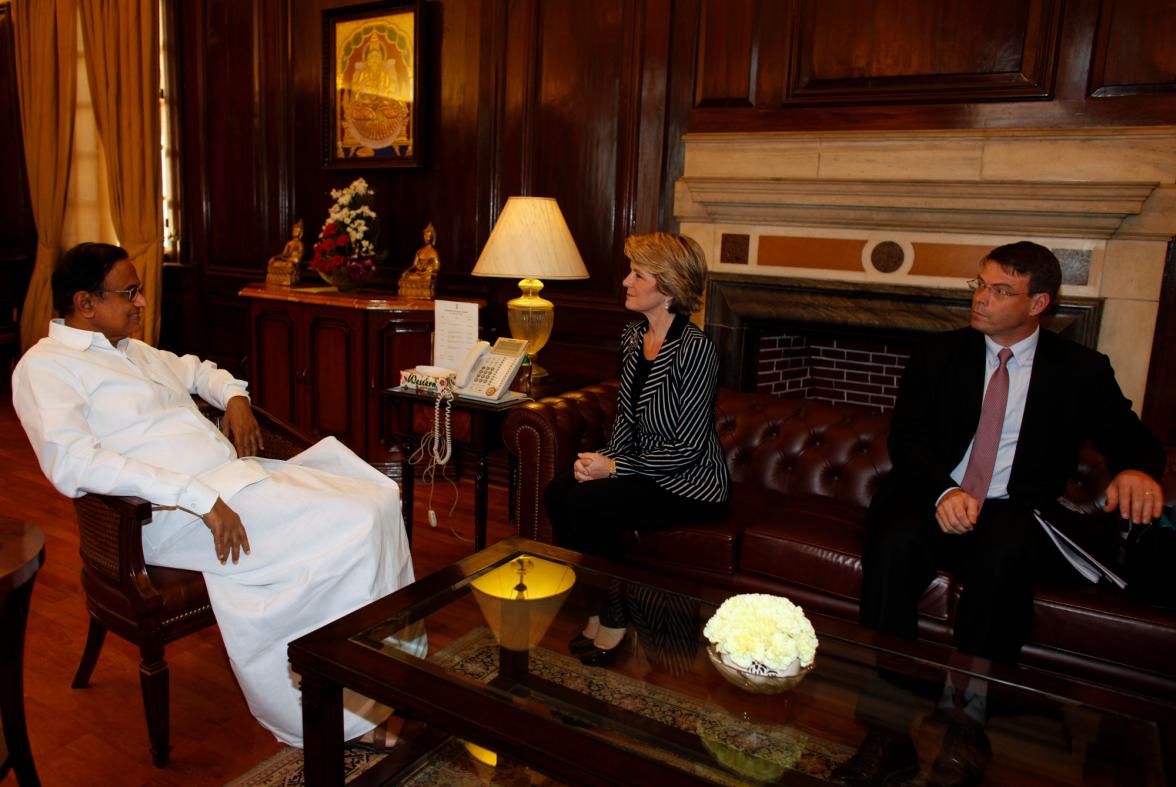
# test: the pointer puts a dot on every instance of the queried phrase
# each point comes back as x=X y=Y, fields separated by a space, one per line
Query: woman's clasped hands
x=591 y=466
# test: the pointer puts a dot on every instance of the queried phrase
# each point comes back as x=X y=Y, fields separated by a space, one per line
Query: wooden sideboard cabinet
x=319 y=359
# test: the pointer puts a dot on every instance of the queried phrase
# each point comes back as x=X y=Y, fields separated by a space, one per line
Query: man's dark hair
x=1032 y=259
x=82 y=269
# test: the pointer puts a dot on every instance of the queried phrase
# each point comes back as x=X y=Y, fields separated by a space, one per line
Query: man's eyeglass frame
x=130 y=293
x=999 y=290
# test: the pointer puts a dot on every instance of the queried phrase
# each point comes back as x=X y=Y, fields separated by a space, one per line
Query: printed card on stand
x=455 y=332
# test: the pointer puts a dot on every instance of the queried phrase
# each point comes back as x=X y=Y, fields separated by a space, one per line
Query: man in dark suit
x=987 y=428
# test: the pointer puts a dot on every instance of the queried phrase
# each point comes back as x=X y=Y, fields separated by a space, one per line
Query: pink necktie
x=978 y=475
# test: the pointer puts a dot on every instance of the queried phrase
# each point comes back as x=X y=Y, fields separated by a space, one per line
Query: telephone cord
x=431 y=452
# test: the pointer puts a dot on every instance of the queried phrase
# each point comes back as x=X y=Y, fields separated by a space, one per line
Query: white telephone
x=487 y=372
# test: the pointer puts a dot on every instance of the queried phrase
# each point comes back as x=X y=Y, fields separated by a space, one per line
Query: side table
x=477 y=424
x=22 y=551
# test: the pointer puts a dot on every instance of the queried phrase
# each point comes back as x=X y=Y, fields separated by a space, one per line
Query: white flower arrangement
x=762 y=635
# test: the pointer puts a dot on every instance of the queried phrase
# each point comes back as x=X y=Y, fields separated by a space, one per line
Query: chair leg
x=94 y=640
x=153 y=678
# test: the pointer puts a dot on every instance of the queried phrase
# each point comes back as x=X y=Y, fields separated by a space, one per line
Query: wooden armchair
x=149 y=605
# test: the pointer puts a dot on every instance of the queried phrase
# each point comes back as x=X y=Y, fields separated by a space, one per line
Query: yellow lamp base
x=531 y=317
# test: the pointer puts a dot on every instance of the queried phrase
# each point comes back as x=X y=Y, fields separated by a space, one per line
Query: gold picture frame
x=372 y=86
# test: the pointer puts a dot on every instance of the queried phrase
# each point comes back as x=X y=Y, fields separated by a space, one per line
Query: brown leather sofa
x=804 y=472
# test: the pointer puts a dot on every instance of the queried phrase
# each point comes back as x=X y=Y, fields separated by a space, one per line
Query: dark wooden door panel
x=334 y=360
x=1134 y=52
x=851 y=51
x=727 y=44
x=396 y=341
x=276 y=371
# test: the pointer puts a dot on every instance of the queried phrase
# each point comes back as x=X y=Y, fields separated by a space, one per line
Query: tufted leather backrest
x=788 y=444
x=795 y=445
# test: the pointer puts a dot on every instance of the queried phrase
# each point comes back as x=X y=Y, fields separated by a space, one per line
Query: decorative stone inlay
x=887 y=257
x=1075 y=265
x=735 y=248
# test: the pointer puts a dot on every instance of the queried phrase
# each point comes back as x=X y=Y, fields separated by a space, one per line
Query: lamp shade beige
x=531 y=241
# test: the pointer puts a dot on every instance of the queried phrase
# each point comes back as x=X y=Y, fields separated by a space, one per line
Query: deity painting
x=374 y=81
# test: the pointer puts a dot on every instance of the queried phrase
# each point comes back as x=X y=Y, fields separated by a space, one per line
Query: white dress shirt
x=1020 y=368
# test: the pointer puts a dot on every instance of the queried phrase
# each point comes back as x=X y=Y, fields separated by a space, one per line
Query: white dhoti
x=326 y=537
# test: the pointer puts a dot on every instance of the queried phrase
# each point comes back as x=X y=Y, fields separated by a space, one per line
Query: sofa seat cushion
x=1108 y=625
x=816 y=542
x=710 y=546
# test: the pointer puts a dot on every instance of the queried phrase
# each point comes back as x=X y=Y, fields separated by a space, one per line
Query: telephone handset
x=487 y=372
x=476 y=353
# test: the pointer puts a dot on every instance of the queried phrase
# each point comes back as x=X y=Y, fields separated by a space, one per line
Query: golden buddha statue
x=284 y=270
x=419 y=281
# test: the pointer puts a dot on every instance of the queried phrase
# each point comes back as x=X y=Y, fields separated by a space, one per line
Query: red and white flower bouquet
x=345 y=252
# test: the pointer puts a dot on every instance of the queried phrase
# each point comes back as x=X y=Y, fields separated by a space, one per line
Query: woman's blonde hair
x=676 y=262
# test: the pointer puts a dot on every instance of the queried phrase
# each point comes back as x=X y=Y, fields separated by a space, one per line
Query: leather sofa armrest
x=1087 y=487
x=545 y=436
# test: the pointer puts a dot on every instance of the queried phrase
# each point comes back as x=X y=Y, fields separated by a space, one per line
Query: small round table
x=22 y=551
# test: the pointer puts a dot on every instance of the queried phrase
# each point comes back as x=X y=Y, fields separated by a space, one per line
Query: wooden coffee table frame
x=328 y=660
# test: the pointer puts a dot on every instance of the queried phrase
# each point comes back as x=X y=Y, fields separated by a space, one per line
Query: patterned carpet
x=284 y=769
x=742 y=752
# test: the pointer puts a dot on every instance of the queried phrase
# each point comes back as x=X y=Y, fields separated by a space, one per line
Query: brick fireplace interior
x=833 y=367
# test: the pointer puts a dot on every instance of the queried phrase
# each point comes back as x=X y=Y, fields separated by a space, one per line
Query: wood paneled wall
x=588 y=102
x=545 y=97
x=898 y=64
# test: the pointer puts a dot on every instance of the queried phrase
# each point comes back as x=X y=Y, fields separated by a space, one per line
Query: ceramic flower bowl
x=755 y=683
x=343 y=282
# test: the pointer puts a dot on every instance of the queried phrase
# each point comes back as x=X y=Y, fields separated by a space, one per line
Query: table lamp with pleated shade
x=531 y=241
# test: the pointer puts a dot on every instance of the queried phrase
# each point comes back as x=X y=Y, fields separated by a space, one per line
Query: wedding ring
x=1147 y=494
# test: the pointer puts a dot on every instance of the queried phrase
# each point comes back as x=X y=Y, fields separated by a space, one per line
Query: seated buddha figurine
x=284 y=269
x=419 y=281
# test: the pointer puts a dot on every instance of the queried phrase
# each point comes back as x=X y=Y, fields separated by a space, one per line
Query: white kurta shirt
x=325 y=528
x=121 y=420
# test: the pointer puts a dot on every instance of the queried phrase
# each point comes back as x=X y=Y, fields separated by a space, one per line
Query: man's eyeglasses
x=130 y=293
x=998 y=290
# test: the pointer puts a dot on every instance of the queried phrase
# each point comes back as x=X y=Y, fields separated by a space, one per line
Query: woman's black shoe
x=598 y=657
x=579 y=645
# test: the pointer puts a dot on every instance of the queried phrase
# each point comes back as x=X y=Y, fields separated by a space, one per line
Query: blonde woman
x=663 y=466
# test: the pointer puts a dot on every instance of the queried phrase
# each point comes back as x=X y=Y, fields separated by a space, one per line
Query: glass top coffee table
x=496 y=671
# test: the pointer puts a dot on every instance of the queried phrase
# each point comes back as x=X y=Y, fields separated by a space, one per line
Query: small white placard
x=455 y=331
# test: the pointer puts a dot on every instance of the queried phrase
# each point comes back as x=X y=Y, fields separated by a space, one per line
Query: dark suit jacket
x=1073 y=396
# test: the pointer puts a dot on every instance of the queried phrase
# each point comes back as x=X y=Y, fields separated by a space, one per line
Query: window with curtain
x=167 y=143
x=87 y=202
x=87 y=211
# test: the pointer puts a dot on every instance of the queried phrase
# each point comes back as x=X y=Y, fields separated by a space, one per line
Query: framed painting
x=372 y=86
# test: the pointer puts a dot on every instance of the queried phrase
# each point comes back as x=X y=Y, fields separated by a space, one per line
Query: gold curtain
x=122 y=60
x=46 y=81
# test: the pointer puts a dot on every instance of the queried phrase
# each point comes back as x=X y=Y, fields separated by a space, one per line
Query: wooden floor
x=98 y=735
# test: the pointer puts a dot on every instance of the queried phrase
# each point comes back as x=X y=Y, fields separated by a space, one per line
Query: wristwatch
x=612 y=468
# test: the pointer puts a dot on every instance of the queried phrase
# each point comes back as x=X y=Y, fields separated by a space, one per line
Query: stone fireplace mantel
x=917 y=210
x=1079 y=210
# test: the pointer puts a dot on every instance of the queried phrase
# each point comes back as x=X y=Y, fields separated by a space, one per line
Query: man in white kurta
x=288 y=546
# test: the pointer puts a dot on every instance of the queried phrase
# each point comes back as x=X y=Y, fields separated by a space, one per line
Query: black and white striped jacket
x=672 y=439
